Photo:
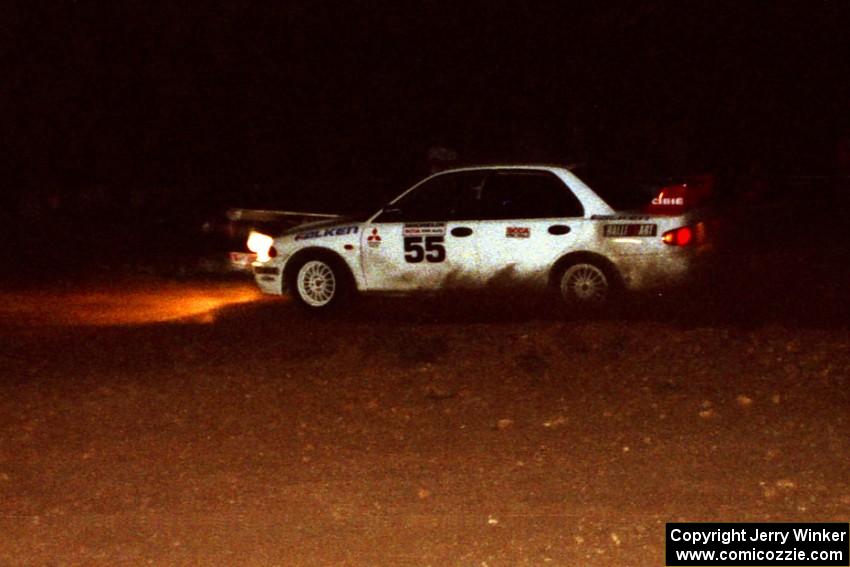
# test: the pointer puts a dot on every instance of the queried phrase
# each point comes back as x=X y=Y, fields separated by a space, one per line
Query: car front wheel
x=319 y=284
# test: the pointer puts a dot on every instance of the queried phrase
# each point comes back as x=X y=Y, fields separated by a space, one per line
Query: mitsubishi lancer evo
x=586 y=237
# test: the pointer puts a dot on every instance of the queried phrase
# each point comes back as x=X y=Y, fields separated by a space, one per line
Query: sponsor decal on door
x=518 y=232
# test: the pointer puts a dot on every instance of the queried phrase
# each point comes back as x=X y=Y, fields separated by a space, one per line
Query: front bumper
x=269 y=278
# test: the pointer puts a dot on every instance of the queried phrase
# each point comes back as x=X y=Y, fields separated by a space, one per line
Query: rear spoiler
x=675 y=198
x=263 y=215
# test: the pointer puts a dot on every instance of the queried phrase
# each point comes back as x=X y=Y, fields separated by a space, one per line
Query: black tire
x=320 y=283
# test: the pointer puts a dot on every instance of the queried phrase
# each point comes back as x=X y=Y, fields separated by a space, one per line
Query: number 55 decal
x=433 y=249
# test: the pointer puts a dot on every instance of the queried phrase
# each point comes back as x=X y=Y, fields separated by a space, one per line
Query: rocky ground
x=192 y=423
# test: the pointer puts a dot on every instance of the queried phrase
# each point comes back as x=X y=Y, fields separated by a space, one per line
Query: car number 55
x=429 y=248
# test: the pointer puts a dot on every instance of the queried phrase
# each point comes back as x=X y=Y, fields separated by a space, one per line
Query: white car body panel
x=385 y=270
x=496 y=252
x=530 y=250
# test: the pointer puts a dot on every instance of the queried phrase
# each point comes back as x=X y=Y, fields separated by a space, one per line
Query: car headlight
x=261 y=245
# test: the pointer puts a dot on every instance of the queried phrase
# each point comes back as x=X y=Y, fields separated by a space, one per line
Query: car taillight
x=678 y=237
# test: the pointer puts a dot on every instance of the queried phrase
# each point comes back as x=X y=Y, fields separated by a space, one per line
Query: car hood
x=322 y=224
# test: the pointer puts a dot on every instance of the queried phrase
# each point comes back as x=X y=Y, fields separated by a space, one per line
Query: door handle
x=461 y=231
x=559 y=229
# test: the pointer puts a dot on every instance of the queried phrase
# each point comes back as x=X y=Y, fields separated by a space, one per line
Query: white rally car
x=476 y=227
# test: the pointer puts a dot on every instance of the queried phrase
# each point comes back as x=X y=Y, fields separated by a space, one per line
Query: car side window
x=528 y=195
x=450 y=196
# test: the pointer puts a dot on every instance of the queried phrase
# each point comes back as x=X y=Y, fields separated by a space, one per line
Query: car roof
x=492 y=166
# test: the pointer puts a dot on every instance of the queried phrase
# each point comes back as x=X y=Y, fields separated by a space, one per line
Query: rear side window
x=528 y=195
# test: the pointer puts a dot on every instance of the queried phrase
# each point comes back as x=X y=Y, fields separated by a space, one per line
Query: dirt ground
x=195 y=423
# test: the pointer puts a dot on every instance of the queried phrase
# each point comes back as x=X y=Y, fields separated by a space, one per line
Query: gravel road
x=196 y=423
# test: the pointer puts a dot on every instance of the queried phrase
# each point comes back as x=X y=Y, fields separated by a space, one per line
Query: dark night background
x=141 y=106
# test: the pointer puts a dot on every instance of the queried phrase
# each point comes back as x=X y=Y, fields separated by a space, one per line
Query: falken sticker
x=425 y=229
x=630 y=230
x=336 y=231
x=374 y=239
x=518 y=232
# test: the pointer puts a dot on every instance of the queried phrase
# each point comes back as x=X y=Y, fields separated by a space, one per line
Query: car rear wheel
x=585 y=286
x=319 y=284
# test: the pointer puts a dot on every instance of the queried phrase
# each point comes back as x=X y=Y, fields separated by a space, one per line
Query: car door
x=425 y=239
x=529 y=219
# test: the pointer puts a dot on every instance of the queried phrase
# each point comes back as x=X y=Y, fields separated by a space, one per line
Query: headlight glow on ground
x=135 y=303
